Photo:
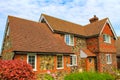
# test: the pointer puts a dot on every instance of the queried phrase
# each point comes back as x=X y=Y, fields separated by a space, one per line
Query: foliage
x=46 y=76
x=88 y=76
x=16 y=70
x=116 y=73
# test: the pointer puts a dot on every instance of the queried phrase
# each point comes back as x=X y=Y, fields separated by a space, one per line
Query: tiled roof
x=118 y=46
x=89 y=53
x=65 y=26
x=95 y=27
x=34 y=37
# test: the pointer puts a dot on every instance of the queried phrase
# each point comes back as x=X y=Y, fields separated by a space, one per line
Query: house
x=118 y=52
x=61 y=46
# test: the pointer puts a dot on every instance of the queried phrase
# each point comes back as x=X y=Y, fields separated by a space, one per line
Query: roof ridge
x=96 y=21
x=21 y=18
x=62 y=19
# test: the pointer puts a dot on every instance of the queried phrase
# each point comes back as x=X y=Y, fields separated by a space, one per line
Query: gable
x=62 y=26
x=108 y=29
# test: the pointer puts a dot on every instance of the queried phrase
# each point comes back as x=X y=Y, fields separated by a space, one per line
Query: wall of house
x=118 y=62
x=7 y=53
x=98 y=46
x=79 y=43
x=48 y=63
x=106 y=48
x=90 y=66
x=103 y=66
x=92 y=44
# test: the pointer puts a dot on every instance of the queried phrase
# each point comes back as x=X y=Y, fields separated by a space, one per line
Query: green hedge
x=89 y=76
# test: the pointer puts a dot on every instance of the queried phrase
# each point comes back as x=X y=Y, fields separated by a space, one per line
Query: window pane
x=59 y=61
x=71 y=39
x=73 y=60
x=67 y=39
x=31 y=60
x=107 y=38
x=108 y=58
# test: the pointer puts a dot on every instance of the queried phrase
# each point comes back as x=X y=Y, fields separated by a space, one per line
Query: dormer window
x=107 y=38
x=69 y=39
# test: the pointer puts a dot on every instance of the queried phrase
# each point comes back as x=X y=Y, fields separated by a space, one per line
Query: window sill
x=60 y=68
x=109 y=62
x=34 y=70
x=73 y=65
x=107 y=42
x=70 y=44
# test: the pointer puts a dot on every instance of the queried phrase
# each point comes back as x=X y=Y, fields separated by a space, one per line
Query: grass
x=89 y=76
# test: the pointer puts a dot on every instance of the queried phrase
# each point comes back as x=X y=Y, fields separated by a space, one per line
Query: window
x=69 y=39
x=108 y=58
x=31 y=59
x=107 y=38
x=73 y=60
x=59 y=61
x=90 y=60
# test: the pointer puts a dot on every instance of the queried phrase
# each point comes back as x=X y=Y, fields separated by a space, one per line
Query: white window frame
x=106 y=38
x=62 y=62
x=74 y=63
x=32 y=54
x=108 y=59
x=70 y=43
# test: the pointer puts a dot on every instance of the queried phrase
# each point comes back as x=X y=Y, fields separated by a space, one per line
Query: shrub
x=16 y=70
x=46 y=76
x=89 y=76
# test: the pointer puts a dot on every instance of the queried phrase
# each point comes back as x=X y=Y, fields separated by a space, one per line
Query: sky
x=77 y=11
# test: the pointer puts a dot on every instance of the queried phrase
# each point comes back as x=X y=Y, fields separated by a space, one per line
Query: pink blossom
x=48 y=72
x=53 y=75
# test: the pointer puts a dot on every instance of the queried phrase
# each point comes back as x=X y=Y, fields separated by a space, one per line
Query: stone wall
x=7 y=53
x=46 y=62
x=80 y=43
x=103 y=66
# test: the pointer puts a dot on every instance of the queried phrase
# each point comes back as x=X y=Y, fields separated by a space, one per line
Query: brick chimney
x=94 y=19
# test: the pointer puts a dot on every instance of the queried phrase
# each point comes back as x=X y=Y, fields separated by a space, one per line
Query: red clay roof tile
x=34 y=37
x=65 y=26
x=89 y=53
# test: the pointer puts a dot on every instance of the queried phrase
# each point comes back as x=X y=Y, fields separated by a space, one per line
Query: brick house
x=118 y=52
x=61 y=46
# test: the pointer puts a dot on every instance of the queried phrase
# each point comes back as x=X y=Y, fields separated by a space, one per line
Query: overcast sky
x=77 y=11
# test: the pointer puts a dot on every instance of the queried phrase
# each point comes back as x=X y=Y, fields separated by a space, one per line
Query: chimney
x=94 y=19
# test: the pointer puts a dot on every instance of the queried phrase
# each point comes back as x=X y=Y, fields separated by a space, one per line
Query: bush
x=16 y=70
x=89 y=76
x=46 y=76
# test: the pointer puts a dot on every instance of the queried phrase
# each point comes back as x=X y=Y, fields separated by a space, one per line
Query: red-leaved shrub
x=16 y=70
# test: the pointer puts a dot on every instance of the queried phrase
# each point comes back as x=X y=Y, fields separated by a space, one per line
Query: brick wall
x=92 y=44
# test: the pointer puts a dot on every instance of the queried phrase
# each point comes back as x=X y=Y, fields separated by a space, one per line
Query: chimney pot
x=94 y=19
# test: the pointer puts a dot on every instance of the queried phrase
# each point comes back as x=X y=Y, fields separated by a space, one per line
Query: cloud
x=78 y=11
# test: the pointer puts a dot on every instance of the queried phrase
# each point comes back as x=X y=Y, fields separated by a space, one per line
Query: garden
x=20 y=70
